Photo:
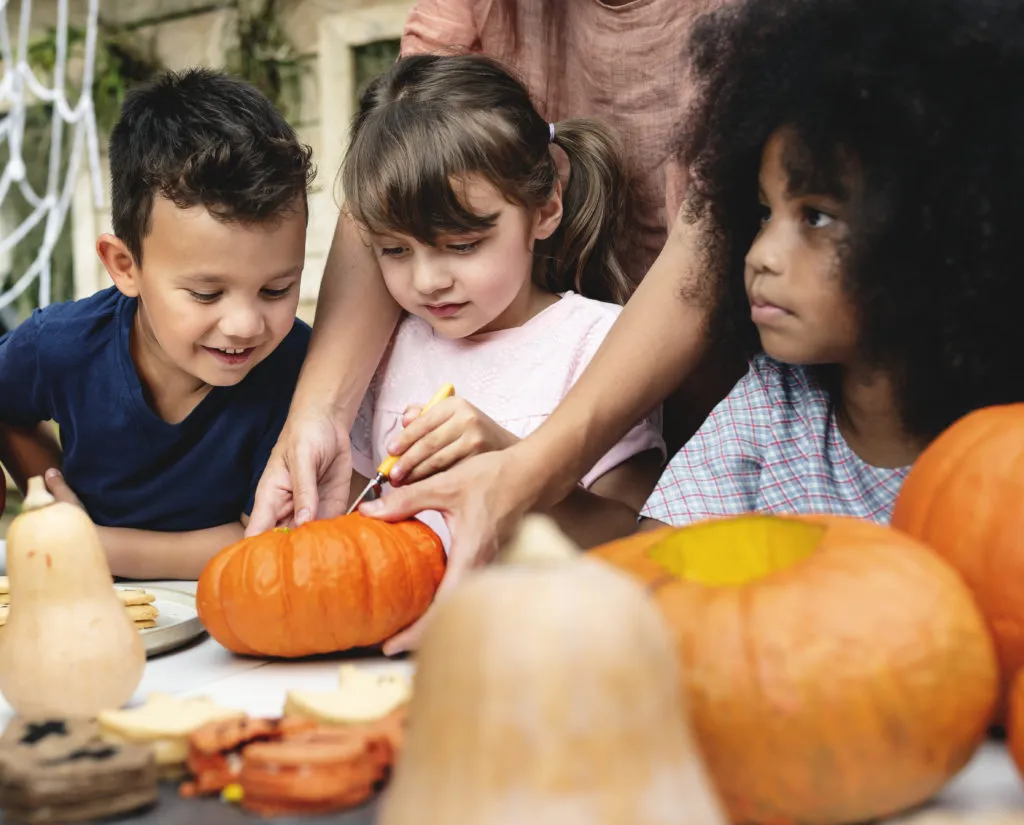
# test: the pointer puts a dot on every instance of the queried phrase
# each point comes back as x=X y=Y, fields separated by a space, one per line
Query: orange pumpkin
x=1015 y=728
x=326 y=586
x=836 y=671
x=963 y=498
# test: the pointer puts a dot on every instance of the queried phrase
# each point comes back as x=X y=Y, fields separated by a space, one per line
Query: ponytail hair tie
x=551 y=132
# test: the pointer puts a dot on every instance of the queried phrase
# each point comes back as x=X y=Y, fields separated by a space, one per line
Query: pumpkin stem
x=37 y=496
x=538 y=539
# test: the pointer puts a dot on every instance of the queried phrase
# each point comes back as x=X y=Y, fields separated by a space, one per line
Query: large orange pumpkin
x=964 y=498
x=836 y=671
x=1015 y=728
x=326 y=586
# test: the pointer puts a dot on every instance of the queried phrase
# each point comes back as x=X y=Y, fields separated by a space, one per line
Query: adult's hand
x=481 y=499
x=308 y=474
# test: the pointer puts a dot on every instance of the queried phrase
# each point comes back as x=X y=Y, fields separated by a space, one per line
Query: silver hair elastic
x=551 y=131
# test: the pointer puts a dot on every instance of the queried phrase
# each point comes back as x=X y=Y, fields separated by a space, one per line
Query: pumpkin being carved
x=963 y=499
x=836 y=670
x=326 y=586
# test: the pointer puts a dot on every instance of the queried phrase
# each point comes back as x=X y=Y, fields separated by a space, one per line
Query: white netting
x=19 y=87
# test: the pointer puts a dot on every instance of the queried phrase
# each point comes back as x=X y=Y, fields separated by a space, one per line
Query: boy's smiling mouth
x=231 y=356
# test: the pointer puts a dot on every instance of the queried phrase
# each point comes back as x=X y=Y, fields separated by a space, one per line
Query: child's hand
x=59 y=489
x=444 y=435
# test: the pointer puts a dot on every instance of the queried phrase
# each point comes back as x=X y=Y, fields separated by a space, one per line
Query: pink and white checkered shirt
x=772 y=446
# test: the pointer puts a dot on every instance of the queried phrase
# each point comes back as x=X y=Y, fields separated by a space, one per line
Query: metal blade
x=362 y=496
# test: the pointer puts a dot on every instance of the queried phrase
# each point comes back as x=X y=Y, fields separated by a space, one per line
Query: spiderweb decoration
x=19 y=88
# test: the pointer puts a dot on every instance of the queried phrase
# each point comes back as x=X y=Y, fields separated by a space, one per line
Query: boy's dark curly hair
x=927 y=97
x=202 y=137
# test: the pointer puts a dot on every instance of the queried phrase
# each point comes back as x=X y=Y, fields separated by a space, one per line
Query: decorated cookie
x=214 y=751
x=319 y=771
x=28 y=739
x=61 y=770
x=361 y=696
x=166 y=722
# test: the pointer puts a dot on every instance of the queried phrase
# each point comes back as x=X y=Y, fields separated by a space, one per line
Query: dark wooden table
x=172 y=810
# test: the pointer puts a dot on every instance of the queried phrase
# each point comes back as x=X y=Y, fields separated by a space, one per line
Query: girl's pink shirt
x=624 y=63
x=515 y=376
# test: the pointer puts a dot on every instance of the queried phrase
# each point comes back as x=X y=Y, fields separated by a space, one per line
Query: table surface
x=987 y=792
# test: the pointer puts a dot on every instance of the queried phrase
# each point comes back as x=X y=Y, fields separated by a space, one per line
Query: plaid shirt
x=772 y=446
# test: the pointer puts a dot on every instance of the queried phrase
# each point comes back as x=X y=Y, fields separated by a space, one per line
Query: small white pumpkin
x=547 y=693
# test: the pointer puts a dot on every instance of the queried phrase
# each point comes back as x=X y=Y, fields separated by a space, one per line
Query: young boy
x=171 y=387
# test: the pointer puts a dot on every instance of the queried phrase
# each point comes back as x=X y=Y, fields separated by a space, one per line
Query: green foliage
x=121 y=62
x=261 y=52
x=373 y=59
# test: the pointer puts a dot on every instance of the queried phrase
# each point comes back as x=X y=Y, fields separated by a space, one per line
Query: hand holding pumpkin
x=307 y=475
x=449 y=432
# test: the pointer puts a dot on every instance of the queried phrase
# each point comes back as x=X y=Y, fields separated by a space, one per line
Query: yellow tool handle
x=388 y=464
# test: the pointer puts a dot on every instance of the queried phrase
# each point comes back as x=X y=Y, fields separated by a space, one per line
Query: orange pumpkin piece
x=1015 y=728
x=326 y=586
x=321 y=771
x=836 y=670
x=214 y=757
x=963 y=499
x=391 y=727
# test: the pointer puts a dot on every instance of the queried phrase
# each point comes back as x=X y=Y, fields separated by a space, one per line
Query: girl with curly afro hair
x=857 y=176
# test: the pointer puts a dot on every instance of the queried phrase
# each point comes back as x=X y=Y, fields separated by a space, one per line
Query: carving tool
x=388 y=464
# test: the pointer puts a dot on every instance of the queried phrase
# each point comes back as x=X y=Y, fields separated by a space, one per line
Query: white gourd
x=69 y=647
x=547 y=693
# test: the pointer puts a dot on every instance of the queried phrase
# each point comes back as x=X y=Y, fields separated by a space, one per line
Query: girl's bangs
x=405 y=178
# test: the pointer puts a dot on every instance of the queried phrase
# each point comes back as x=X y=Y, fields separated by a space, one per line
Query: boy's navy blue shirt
x=71 y=363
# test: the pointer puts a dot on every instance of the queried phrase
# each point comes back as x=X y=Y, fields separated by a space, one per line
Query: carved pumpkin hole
x=736 y=551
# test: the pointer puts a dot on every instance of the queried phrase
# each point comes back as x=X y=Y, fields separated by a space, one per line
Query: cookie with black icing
x=61 y=770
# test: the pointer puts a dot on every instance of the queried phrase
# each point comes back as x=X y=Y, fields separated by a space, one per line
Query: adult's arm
x=309 y=470
x=655 y=344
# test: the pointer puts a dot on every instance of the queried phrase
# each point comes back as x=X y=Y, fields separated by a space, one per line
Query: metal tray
x=177 y=623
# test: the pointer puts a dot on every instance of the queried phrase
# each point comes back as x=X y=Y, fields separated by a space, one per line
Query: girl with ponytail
x=508 y=282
